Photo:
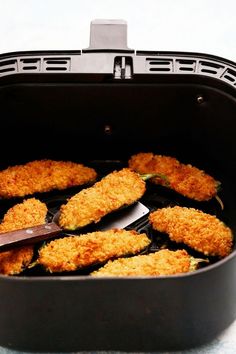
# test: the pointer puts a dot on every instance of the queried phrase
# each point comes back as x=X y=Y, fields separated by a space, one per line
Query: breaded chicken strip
x=75 y=252
x=30 y=213
x=114 y=191
x=200 y=231
x=184 y=179
x=163 y=262
x=43 y=176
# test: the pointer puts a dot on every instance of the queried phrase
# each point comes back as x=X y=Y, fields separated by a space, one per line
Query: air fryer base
x=103 y=104
x=71 y=314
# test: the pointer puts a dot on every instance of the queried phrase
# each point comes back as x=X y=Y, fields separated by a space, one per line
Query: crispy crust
x=114 y=191
x=184 y=179
x=200 y=231
x=43 y=176
x=31 y=212
x=163 y=262
x=74 y=252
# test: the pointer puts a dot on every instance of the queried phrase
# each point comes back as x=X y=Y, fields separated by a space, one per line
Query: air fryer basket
x=100 y=106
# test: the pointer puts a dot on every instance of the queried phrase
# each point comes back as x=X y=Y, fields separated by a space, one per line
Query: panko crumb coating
x=163 y=262
x=184 y=179
x=30 y=213
x=43 y=176
x=75 y=252
x=198 y=230
x=117 y=189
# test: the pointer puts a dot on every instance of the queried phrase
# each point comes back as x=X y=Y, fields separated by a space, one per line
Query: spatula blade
x=125 y=217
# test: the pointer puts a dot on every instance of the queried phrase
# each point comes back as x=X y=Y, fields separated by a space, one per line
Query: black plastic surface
x=84 y=118
x=117 y=314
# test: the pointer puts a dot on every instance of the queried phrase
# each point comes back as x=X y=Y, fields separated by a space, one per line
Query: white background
x=207 y=26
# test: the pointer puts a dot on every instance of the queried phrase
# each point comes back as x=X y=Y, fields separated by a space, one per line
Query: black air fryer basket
x=99 y=106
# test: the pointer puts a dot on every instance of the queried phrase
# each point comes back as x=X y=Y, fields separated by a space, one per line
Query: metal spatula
x=35 y=234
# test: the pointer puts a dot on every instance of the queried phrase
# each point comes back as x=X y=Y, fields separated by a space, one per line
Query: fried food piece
x=30 y=213
x=114 y=191
x=74 y=252
x=200 y=231
x=184 y=179
x=163 y=262
x=43 y=176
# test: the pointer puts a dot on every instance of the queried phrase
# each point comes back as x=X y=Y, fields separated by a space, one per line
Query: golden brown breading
x=111 y=193
x=200 y=231
x=163 y=262
x=43 y=176
x=184 y=179
x=30 y=213
x=74 y=252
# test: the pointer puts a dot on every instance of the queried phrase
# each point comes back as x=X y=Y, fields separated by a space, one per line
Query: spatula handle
x=28 y=236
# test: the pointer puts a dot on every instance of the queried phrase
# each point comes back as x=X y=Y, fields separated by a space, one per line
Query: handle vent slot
x=210 y=68
x=56 y=64
x=230 y=76
x=7 y=66
x=166 y=65
x=159 y=65
x=185 y=65
x=30 y=64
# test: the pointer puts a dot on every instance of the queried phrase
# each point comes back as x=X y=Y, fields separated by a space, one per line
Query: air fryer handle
x=29 y=235
x=108 y=35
